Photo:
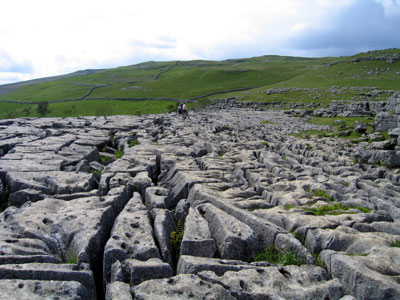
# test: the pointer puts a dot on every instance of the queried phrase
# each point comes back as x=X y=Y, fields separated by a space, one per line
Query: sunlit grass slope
x=182 y=80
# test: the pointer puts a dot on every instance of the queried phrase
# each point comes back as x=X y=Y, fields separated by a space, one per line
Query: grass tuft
x=119 y=154
x=395 y=244
x=274 y=255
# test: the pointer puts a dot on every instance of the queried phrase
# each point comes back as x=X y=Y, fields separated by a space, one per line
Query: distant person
x=180 y=109
x=255 y=106
x=185 y=113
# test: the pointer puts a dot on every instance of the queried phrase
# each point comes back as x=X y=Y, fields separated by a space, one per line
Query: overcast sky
x=46 y=37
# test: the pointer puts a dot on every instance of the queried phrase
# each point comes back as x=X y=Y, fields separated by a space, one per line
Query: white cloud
x=57 y=37
x=391 y=7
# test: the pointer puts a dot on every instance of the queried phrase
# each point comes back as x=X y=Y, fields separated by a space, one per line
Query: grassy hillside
x=191 y=79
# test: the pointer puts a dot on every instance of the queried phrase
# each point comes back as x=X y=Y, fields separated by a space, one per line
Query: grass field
x=320 y=80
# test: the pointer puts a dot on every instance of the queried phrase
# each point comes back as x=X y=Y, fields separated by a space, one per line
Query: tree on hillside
x=42 y=108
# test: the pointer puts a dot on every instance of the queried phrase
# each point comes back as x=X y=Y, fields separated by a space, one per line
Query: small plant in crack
x=274 y=255
x=176 y=239
x=119 y=154
x=133 y=143
x=395 y=244
x=97 y=172
x=318 y=261
x=104 y=159
x=71 y=258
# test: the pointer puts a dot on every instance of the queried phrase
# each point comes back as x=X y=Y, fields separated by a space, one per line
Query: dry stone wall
x=150 y=207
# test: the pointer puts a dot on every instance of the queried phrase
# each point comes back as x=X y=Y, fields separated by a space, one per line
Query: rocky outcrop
x=389 y=119
x=132 y=207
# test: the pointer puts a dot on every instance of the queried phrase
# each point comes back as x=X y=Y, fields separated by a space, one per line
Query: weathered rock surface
x=184 y=210
x=38 y=290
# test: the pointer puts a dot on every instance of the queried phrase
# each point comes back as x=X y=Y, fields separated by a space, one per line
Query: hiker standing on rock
x=185 y=113
x=179 y=109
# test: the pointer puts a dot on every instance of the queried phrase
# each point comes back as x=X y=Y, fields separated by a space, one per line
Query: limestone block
x=181 y=287
x=288 y=242
x=12 y=289
x=163 y=225
x=265 y=230
x=366 y=277
x=53 y=272
x=131 y=237
x=20 y=197
x=197 y=240
x=156 y=197
x=141 y=182
x=138 y=271
x=182 y=209
x=235 y=240
x=118 y=291
x=79 y=152
x=51 y=182
x=27 y=165
x=24 y=259
x=193 y=265
x=290 y=282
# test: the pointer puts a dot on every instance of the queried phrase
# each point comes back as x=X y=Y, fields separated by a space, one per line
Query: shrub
x=42 y=108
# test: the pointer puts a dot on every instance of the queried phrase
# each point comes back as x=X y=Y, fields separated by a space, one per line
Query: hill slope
x=183 y=80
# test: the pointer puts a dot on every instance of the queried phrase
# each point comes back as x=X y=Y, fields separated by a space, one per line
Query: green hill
x=153 y=87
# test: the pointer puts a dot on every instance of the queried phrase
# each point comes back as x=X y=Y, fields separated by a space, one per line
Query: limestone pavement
x=157 y=207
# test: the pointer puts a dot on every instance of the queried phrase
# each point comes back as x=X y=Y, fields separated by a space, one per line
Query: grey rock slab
x=20 y=197
x=137 y=271
x=76 y=228
x=346 y=239
x=194 y=264
x=366 y=277
x=51 y=182
x=164 y=224
x=265 y=231
x=182 y=209
x=290 y=282
x=24 y=259
x=11 y=243
x=51 y=143
x=156 y=197
x=180 y=287
x=181 y=181
x=104 y=182
x=131 y=237
x=135 y=204
x=26 y=165
x=118 y=291
x=126 y=165
x=235 y=240
x=57 y=272
x=75 y=196
x=197 y=240
x=12 y=289
x=288 y=242
x=121 y=179
x=141 y=182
